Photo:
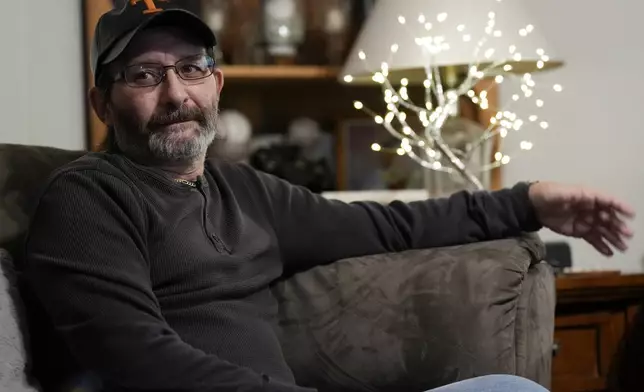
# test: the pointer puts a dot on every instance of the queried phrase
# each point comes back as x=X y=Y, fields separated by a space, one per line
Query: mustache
x=181 y=114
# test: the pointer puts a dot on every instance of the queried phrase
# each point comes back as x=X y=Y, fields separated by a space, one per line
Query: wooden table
x=593 y=312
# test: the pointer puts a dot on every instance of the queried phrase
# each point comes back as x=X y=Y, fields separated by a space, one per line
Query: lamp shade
x=410 y=35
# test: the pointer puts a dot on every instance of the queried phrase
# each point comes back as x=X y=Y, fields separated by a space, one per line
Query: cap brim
x=170 y=17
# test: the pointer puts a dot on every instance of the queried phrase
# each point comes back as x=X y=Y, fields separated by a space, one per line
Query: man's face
x=174 y=121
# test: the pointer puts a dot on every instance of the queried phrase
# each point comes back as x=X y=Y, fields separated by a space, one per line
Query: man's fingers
x=596 y=240
x=614 y=205
x=621 y=227
x=614 y=238
x=612 y=220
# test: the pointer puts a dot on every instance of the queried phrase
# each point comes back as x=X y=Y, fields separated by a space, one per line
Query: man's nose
x=174 y=90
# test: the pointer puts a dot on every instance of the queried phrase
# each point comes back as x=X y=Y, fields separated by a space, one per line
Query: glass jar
x=215 y=13
x=336 y=28
x=284 y=27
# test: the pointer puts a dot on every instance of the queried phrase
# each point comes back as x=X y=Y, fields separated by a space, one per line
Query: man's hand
x=583 y=213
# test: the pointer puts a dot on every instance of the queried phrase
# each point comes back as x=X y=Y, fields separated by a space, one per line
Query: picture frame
x=360 y=168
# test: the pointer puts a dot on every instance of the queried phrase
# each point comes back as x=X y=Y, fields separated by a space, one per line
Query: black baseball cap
x=116 y=28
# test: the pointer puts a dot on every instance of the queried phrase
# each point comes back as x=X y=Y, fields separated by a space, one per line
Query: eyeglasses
x=151 y=74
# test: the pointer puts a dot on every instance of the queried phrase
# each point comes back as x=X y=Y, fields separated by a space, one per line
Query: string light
x=425 y=145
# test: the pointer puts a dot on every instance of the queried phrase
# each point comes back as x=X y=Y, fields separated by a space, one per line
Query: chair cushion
x=23 y=170
x=13 y=358
x=408 y=321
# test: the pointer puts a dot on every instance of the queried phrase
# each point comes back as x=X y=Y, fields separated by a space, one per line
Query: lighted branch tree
x=425 y=143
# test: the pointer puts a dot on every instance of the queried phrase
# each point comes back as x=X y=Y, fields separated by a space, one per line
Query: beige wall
x=596 y=134
x=41 y=87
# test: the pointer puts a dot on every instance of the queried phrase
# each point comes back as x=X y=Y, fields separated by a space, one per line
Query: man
x=154 y=263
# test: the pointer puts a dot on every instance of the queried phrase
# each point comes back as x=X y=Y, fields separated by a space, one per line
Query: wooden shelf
x=279 y=72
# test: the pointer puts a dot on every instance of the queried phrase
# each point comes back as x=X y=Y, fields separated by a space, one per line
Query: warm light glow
x=378 y=77
x=384 y=67
x=403 y=93
x=422 y=139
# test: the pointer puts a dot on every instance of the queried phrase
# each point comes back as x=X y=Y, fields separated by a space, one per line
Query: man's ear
x=219 y=78
x=98 y=99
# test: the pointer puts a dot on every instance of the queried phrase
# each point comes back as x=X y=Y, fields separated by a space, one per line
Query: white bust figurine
x=235 y=132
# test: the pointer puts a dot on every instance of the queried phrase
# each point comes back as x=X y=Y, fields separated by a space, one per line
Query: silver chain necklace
x=186 y=182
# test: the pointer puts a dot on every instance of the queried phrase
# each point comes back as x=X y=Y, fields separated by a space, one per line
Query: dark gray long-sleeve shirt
x=159 y=286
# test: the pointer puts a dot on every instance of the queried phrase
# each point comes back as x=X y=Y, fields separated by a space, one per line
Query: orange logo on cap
x=152 y=8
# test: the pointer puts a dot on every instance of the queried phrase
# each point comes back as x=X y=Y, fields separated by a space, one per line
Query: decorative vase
x=284 y=28
x=216 y=17
x=336 y=28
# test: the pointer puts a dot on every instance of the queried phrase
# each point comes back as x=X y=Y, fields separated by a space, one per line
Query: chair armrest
x=13 y=354
x=417 y=319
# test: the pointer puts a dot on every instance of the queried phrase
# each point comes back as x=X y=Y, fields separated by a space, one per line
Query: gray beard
x=165 y=146
x=142 y=143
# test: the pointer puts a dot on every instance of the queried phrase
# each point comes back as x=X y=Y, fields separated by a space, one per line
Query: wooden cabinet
x=584 y=346
x=592 y=317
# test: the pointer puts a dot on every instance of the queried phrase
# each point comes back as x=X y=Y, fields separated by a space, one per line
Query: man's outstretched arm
x=85 y=260
x=312 y=230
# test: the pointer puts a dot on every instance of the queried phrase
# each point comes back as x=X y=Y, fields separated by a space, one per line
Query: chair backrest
x=23 y=172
